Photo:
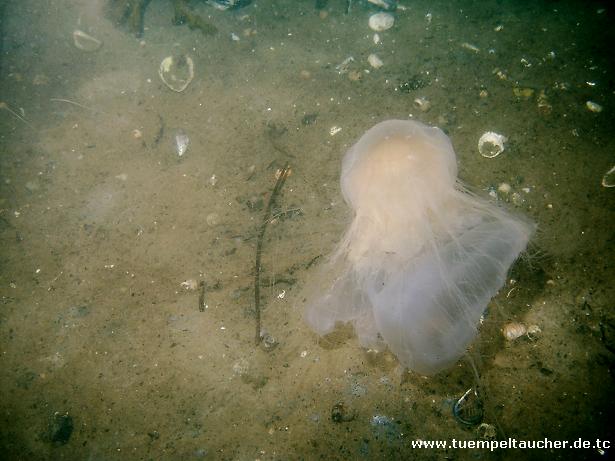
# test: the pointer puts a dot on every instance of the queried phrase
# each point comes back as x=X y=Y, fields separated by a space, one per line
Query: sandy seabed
x=105 y=354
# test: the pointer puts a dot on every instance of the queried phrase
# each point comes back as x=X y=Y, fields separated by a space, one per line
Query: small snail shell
x=513 y=330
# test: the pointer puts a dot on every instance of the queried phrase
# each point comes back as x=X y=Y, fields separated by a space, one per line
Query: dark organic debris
x=281 y=178
x=413 y=83
x=132 y=12
x=60 y=429
x=341 y=413
x=309 y=119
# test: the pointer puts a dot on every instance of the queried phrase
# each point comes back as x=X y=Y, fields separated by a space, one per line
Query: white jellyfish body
x=421 y=258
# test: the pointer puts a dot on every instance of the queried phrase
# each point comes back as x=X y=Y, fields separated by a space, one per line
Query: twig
x=4 y=105
x=282 y=175
x=68 y=101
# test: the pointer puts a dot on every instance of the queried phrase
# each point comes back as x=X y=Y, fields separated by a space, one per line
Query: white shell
x=422 y=104
x=176 y=72
x=335 y=130
x=593 y=106
x=514 y=330
x=181 y=142
x=85 y=42
x=608 y=180
x=375 y=61
x=381 y=21
x=491 y=144
x=190 y=285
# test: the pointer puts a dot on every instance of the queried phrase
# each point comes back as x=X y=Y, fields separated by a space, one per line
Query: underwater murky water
x=111 y=348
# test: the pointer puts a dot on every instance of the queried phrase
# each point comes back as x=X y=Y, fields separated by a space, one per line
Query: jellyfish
x=422 y=256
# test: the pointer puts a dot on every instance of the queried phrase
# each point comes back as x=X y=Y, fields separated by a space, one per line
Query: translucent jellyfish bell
x=421 y=258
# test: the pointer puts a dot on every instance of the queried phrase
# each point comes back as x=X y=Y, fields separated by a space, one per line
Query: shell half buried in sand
x=85 y=42
x=176 y=72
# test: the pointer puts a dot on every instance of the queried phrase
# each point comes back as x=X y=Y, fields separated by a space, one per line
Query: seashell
x=505 y=188
x=190 y=285
x=176 y=72
x=343 y=66
x=514 y=330
x=384 y=4
x=491 y=144
x=181 y=142
x=381 y=21
x=85 y=42
x=268 y=342
x=593 y=106
x=422 y=104
x=608 y=180
x=375 y=61
x=470 y=47
x=335 y=130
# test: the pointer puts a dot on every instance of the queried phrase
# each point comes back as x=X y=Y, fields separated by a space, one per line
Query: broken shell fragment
x=181 y=142
x=85 y=42
x=608 y=180
x=491 y=144
x=381 y=21
x=422 y=104
x=176 y=72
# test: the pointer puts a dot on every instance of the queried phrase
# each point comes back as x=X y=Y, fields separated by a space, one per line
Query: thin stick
x=4 y=105
x=282 y=175
x=68 y=101
x=202 y=303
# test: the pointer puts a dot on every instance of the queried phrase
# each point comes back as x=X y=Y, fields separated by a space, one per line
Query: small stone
x=212 y=219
